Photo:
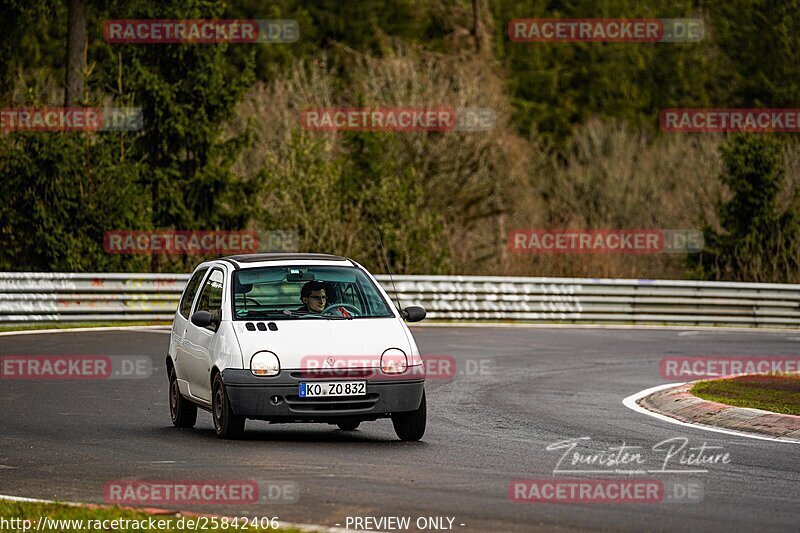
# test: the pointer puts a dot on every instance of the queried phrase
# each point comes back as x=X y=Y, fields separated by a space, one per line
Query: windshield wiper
x=264 y=311
x=289 y=312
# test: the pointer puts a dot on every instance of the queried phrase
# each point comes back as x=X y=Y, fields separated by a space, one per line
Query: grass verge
x=102 y=519
x=779 y=393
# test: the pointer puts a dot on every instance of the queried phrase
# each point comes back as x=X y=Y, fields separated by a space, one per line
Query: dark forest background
x=576 y=142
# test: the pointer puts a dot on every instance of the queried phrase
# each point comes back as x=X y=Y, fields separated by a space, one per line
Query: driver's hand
x=339 y=311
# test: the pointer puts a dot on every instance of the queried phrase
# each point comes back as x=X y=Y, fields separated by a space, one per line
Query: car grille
x=321 y=405
x=355 y=373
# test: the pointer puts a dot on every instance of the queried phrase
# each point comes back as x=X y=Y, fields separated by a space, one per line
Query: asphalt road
x=67 y=439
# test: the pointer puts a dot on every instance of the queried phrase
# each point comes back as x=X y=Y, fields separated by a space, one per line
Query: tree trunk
x=478 y=30
x=76 y=47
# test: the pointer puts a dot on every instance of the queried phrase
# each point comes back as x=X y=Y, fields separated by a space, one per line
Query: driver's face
x=316 y=302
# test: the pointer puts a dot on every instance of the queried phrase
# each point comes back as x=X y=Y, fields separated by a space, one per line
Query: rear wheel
x=182 y=411
x=226 y=424
x=410 y=426
x=349 y=426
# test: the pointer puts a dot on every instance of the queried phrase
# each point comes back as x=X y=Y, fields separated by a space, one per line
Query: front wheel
x=226 y=424
x=182 y=411
x=410 y=426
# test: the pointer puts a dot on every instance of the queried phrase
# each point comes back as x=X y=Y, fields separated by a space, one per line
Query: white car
x=293 y=338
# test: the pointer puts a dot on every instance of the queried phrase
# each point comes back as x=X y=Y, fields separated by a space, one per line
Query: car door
x=198 y=342
x=181 y=322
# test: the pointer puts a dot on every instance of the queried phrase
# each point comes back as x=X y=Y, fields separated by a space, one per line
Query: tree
x=186 y=92
x=558 y=86
x=62 y=191
x=760 y=39
x=482 y=40
x=76 y=49
x=758 y=240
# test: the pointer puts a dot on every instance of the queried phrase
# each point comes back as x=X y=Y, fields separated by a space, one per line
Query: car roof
x=252 y=260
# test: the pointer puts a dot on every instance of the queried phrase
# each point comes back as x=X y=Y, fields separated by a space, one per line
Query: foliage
x=575 y=142
x=758 y=240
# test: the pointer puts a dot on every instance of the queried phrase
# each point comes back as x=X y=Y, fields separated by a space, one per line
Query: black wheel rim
x=173 y=398
x=218 y=404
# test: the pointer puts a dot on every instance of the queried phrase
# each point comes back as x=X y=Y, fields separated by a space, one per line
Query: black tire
x=349 y=426
x=410 y=426
x=182 y=411
x=226 y=424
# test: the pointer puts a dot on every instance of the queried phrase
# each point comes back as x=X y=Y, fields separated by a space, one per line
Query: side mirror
x=203 y=319
x=414 y=313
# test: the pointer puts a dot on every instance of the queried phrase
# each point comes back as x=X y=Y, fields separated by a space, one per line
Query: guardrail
x=64 y=297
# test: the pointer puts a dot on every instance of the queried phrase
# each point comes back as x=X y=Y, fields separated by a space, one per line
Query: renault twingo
x=293 y=338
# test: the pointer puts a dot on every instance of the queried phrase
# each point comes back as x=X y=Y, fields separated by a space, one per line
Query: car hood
x=304 y=343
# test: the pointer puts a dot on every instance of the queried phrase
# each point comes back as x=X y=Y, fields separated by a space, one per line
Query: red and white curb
x=675 y=404
x=155 y=511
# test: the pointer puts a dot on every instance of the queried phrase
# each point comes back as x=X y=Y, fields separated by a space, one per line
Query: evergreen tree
x=759 y=240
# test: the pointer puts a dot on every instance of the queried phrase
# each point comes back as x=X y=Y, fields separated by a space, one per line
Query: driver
x=313 y=297
x=315 y=300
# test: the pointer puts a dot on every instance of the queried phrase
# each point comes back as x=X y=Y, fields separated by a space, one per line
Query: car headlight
x=394 y=361
x=265 y=364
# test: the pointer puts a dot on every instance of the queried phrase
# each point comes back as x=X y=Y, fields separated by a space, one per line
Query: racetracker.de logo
x=71 y=119
x=586 y=490
x=612 y=30
x=379 y=119
x=156 y=31
x=74 y=367
x=605 y=491
x=56 y=367
x=392 y=364
x=433 y=367
x=180 y=492
x=730 y=120
x=180 y=242
x=721 y=366
x=626 y=241
x=399 y=119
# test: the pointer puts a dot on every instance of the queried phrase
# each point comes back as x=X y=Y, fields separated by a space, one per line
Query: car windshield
x=306 y=292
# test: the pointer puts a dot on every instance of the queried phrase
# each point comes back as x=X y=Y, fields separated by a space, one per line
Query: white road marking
x=143 y=329
x=666 y=327
x=684 y=330
x=631 y=403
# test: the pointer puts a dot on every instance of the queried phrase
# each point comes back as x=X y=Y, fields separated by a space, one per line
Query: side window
x=211 y=296
x=191 y=289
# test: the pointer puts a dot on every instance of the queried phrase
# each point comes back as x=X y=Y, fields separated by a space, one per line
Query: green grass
x=779 y=393
x=55 y=511
x=75 y=325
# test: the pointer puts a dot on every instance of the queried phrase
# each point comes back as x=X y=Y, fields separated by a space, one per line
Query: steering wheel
x=356 y=311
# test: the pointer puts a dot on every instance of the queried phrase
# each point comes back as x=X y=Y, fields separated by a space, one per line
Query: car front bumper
x=276 y=398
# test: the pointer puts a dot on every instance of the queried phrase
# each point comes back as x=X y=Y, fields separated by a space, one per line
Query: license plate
x=333 y=388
